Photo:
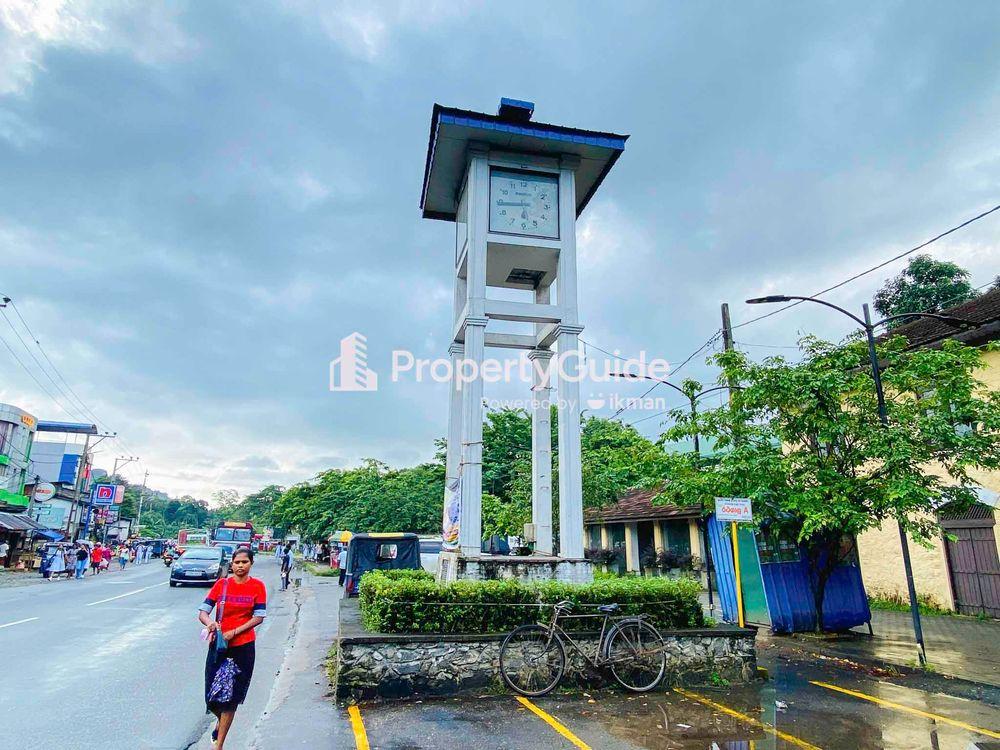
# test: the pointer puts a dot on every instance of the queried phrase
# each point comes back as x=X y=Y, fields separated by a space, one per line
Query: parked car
x=380 y=552
x=199 y=565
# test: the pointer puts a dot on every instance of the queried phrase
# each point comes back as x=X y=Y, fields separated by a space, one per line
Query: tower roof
x=511 y=130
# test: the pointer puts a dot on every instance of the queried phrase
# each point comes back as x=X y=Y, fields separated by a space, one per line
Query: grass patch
x=896 y=603
x=321 y=570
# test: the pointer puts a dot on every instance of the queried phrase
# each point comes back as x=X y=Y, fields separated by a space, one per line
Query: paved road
x=115 y=662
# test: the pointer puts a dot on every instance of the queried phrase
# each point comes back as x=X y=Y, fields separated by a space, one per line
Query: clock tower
x=514 y=188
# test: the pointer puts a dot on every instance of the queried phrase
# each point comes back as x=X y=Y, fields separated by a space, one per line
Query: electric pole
x=80 y=471
x=727 y=345
x=142 y=491
x=727 y=329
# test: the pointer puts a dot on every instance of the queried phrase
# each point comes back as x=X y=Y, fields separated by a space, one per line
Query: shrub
x=421 y=605
x=667 y=559
x=408 y=574
x=602 y=556
x=647 y=560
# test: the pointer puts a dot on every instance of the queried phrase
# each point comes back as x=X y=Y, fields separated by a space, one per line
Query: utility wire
x=873 y=268
x=674 y=370
x=24 y=367
x=76 y=410
x=79 y=405
x=87 y=411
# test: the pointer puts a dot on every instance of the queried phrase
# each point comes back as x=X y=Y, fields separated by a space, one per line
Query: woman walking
x=122 y=555
x=240 y=604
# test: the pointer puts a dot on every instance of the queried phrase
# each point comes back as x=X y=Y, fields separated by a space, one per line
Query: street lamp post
x=693 y=402
x=869 y=329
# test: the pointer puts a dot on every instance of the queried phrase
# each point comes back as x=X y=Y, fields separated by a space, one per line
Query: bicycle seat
x=608 y=609
x=566 y=605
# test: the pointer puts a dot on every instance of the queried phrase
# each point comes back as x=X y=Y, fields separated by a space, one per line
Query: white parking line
x=18 y=622
x=122 y=596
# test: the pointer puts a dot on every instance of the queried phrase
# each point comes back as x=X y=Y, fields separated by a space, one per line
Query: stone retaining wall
x=401 y=666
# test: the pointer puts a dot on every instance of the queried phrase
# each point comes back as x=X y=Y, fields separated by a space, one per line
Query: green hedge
x=418 y=604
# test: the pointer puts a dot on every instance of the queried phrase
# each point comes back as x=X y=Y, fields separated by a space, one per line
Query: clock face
x=524 y=203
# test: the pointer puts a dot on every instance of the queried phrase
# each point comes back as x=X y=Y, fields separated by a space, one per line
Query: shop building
x=17 y=434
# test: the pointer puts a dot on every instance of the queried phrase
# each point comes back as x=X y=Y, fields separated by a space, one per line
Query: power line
x=76 y=410
x=32 y=375
x=86 y=409
x=674 y=370
x=856 y=276
x=957 y=299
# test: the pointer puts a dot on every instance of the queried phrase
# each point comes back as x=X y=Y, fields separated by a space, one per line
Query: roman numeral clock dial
x=524 y=203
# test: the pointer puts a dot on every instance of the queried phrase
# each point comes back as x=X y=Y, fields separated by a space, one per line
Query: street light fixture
x=869 y=329
x=693 y=401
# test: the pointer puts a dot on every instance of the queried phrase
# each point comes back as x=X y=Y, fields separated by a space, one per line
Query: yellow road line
x=553 y=722
x=746 y=719
x=358 y=727
x=901 y=707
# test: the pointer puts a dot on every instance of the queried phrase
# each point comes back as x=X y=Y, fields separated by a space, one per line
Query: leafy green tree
x=805 y=443
x=925 y=285
x=506 y=436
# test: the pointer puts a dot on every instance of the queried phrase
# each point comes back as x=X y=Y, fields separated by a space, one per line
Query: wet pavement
x=803 y=705
x=135 y=639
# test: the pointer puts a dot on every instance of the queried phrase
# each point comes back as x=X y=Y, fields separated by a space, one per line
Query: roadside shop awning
x=50 y=534
x=18 y=522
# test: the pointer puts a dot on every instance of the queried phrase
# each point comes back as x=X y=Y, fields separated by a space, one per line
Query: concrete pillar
x=541 y=450
x=605 y=537
x=471 y=525
x=632 y=547
x=570 y=464
x=659 y=543
x=471 y=529
x=453 y=458
x=694 y=534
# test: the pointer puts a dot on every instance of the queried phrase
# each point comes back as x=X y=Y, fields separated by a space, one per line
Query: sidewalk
x=960 y=647
x=299 y=710
x=10 y=579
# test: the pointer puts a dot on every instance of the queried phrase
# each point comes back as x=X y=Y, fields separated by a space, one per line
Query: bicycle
x=533 y=657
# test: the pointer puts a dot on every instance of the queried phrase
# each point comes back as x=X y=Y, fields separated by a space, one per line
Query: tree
x=805 y=443
x=925 y=285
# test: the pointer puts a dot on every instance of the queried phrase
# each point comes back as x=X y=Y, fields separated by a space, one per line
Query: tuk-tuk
x=380 y=552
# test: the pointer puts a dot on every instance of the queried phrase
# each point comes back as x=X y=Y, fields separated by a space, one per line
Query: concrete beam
x=524 y=312
x=510 y=341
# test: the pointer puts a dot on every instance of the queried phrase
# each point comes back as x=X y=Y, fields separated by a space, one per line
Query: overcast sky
x=199 y=200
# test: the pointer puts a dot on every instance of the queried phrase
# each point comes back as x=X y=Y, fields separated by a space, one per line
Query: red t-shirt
x=241 y=602
x=95 y=556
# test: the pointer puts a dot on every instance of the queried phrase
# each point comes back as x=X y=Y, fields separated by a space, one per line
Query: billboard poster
x=103 y=494
x=452 y=514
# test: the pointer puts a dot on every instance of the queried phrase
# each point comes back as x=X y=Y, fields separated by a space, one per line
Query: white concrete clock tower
x=514 y=189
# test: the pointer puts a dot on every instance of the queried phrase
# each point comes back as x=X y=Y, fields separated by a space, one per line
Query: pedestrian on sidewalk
x=342 y=564
x=286 y=566
x=96 y=557
x=57 y=563
x=240 y=604
x=81 y=561
x=4 y=551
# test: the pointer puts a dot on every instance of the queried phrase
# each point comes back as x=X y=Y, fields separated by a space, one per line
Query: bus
x=232 y=534
x=192 y=537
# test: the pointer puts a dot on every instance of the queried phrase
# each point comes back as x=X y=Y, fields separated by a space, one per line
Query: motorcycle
x=168 y=557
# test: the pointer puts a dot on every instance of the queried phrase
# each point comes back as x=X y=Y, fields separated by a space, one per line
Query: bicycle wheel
x=636 y=656
x=532 y=660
